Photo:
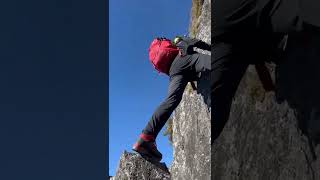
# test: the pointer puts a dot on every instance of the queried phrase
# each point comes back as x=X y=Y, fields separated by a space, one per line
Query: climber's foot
x=147 y=148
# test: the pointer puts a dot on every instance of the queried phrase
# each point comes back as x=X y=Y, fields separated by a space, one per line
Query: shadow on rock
x=298 y=82
x=203 y=88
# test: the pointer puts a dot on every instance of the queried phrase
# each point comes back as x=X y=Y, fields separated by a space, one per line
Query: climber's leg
x=228 y=67
x=233 y=20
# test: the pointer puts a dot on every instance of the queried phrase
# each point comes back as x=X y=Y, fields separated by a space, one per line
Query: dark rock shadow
x=298 y=81
x=203 y=87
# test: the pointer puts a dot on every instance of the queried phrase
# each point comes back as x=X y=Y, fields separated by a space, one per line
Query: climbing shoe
x=146 y=147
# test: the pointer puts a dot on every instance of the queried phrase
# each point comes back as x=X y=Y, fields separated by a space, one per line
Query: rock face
x=192 y=122
x=134 y=167
x=262 y=139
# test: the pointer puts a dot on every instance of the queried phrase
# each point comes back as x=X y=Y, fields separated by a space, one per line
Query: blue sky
x=135 y=88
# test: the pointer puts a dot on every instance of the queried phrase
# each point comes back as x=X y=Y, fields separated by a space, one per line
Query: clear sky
x=135 y=88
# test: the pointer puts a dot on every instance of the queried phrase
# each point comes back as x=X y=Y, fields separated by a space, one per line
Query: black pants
x=231 y=56
x=242 y=35
x=188 y=68
x=228 y=67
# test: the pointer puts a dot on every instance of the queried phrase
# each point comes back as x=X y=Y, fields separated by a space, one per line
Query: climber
x=249 y=32
x=242 y=35
x=182 y=65
x=302 y=54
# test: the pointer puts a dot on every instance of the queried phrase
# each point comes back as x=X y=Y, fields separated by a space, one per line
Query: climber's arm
x=203 y=45
x=197 y=43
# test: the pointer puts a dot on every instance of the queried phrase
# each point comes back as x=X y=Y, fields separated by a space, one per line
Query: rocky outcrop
x=263 y=139
x=192 y=121
x=134 y=167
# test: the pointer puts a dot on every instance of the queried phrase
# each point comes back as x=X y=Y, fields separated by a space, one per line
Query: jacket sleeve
x=197 y=43
x=203 y=45
x=163 y=112
x=187 y=44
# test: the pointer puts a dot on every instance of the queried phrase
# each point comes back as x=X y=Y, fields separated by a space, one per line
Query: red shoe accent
x=147 y=137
